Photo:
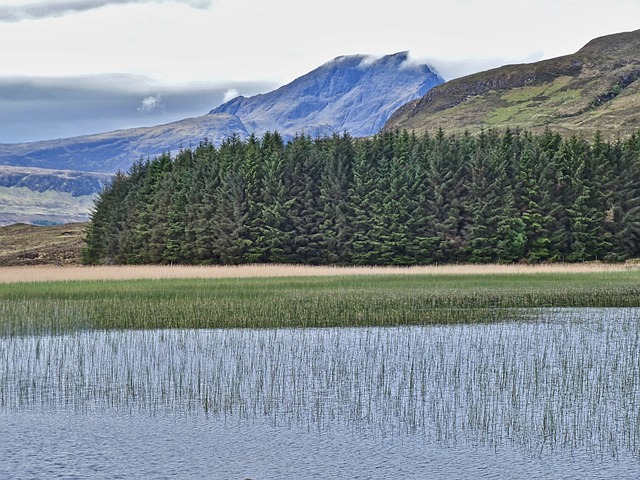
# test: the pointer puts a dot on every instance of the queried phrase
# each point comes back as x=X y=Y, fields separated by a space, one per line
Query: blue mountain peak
x=354 y=93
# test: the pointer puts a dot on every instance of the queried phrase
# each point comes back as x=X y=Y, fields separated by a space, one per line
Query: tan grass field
x=46 y=273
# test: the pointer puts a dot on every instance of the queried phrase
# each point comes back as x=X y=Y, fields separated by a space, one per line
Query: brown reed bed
x=47 y=273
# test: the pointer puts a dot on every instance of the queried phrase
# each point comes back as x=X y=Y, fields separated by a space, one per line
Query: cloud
x=369 y=60
x=53 y=8
x=150 y=103
x=460 y=67
x=230 y=95
x=43 y=108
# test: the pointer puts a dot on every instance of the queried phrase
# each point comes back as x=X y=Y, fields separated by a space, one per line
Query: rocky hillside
x=40 y=180
x=595 y=89
x=44 y=197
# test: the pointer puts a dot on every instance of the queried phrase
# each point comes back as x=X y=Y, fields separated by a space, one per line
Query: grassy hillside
x=595 y=89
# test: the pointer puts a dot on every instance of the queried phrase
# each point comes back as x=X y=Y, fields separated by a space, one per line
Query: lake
x=554 y=395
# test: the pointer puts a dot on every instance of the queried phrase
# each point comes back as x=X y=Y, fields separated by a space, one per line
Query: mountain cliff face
x=352 y=93
x=594 y=90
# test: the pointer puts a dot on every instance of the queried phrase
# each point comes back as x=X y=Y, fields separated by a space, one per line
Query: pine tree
x=267 y=229
x=336 y=182
x=103 y=234
x=369 y=193
x=484 y=204
x=447 y=161
x=535 y=204
x=623 y=215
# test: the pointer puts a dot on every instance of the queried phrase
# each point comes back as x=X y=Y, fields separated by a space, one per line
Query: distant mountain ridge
x=594 y=90
x=117 y=150
x=40 y=180
x=355 y=93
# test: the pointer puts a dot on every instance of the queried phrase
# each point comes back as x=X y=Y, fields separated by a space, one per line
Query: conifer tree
x=336 y=229
x=268 y=230
x=393 y=199
x=535 y=202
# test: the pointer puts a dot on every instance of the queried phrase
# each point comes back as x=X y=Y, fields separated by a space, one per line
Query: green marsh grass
x=57 y=307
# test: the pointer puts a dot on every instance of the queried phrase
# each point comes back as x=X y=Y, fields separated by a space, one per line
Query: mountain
x=351 y=93
x=354 y=93
x=595 y=89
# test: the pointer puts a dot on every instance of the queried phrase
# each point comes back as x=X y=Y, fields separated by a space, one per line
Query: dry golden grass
x=45 y=273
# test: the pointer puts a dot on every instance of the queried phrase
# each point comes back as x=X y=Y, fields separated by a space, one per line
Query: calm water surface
x=557 y=396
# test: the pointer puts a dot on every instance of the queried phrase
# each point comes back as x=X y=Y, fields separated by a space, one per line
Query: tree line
x=396 y=198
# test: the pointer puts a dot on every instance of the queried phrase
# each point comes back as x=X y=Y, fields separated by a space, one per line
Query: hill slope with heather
x=22 y=244
x=595 y=89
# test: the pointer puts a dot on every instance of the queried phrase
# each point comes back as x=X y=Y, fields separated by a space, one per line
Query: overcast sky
x=71 y=67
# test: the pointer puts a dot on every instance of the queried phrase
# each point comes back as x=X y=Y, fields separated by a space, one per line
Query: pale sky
x=71 y=67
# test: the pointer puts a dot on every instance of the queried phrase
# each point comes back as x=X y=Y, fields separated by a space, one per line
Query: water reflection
x=561 y=388
x=112 y=445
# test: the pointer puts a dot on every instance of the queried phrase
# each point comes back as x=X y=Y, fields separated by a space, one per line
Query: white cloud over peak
x=230 y=95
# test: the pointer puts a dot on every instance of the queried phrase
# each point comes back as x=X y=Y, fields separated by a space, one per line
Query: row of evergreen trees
x=394 y=199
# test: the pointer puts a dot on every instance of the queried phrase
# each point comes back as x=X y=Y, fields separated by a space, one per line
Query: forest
x=396 y=198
